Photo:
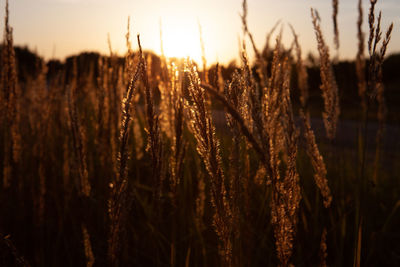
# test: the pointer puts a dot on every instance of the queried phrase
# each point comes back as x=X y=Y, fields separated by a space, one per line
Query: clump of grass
x=78 y=137
x=118 y=200
x=154 y=140
x=370 y=89
x=375 y=83
x=9 y=107
x=208 y=149
x=227 y=183
x=283 y=135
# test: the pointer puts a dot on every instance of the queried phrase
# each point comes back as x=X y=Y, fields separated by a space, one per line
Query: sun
x=181 y=40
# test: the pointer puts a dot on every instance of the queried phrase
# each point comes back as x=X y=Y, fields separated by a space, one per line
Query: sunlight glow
x=181 y=40
x=61 y=28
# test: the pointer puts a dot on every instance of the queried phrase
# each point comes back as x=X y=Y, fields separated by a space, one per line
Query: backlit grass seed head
x=371 y=22
x=117 y=204
x=208 y=148
x=9 y=106
x=88 y=247
x=317 y=160
x=323 y=249
x=283 y=139
x=154 y=143
x=329 y=87
x=78 y=135
x=360 y=60
x=302 y=75
x=335 y=11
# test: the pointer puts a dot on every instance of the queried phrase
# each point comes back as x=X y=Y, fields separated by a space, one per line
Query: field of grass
x=144 y=160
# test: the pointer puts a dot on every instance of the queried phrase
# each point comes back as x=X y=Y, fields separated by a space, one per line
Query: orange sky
x=63 y=27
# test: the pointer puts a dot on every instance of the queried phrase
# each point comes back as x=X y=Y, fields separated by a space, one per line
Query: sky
x=59 y=28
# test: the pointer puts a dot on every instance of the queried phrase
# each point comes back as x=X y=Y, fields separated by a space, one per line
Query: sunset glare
x=181 y=40
x=59 y=28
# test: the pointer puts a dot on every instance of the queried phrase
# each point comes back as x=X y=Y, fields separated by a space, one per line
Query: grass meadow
x=144 y=160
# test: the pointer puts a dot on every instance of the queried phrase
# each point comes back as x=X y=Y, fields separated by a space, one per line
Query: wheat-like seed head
x=317 y=160
x=302 y=76
x=335 y=5
x=208 y=149
x=328 y=82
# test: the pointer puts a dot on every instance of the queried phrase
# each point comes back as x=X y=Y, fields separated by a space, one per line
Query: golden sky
x=58 y=28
